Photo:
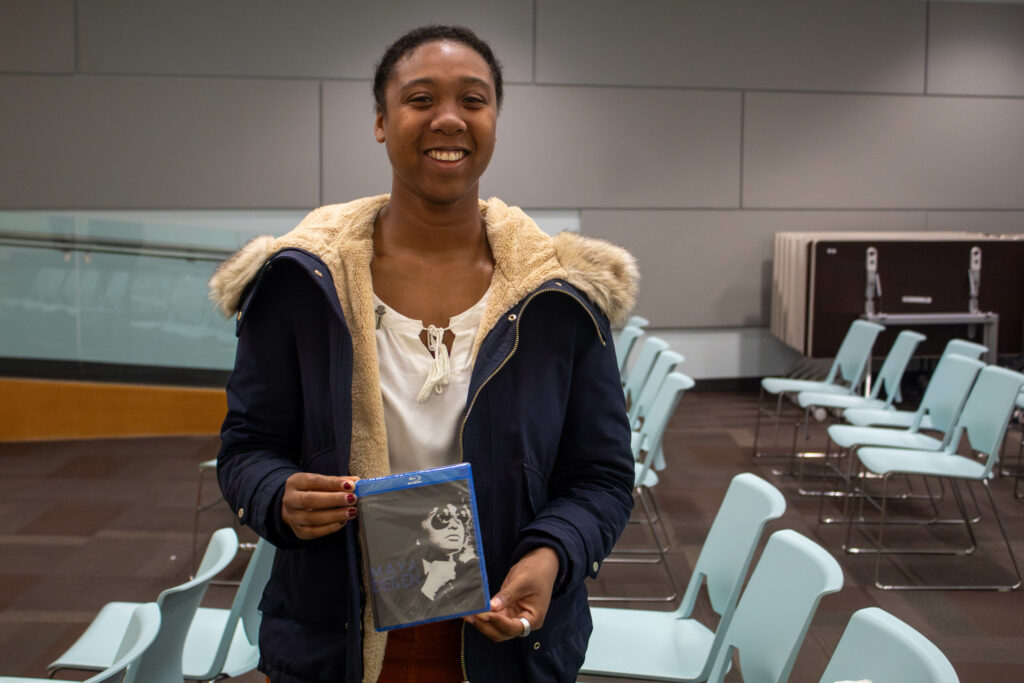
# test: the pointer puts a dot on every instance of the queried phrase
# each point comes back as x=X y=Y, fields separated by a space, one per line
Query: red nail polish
x=350 y=498
x=347 y=486
x=351 y=512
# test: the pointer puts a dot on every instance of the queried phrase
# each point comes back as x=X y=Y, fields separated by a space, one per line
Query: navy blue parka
x=544 y=429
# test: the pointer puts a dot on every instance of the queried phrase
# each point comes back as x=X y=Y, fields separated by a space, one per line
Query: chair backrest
x=776 y=608
x=624 y=345
x=666 y=363
x=987 y=413
x=749 y=503
x=854 y=352
x=637 y=375
x=947 y=390
x=244 y=607
x=895 y=364
x=638 y=321
x=143 y=627
x=965 y=348
x=161 y=663
x=879 y=647
x=658 y=416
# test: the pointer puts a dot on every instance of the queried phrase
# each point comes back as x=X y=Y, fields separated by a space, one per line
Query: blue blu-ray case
x=421 y=546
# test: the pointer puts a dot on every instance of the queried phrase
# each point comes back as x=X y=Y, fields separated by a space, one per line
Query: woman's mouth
x=447 y=154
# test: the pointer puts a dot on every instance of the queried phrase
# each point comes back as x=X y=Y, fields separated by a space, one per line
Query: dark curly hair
x=430 y=34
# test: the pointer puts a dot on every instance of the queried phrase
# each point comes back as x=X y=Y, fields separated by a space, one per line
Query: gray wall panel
x=162 y=143
x=976 y=49
x=568 y=148
x=299 y=38
x=37 y=36
x=977 y=221
x=848 y=45
x=878 y=152
x=713 y=268
x=617 y=147
x=354 y=164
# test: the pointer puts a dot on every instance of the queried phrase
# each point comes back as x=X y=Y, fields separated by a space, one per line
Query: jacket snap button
x=536 y=646
x=558 y=284
x=241 y=512
x=318 y=273
x=512 y=318
x=595 y=566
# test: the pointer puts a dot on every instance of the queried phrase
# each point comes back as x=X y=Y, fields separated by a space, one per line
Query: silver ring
x=526 y=627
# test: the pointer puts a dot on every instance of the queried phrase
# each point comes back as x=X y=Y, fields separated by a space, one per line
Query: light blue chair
x=624 y=344
x=776 y=608
x=942 y=403
x=645 y=443
x=891 y=417
x=983 y=422
x=666 y=363
x=820 y=404
x=162 y=662
x=142 y=628
x=225 y=642
x=844 y=377
x=650 y=349
x=887 y=381
x=674 y=646
x=878 y=647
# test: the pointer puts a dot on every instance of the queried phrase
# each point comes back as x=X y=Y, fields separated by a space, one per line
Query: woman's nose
x=449 y=120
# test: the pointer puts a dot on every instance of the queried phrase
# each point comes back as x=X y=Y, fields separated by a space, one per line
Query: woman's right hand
x=315 y=505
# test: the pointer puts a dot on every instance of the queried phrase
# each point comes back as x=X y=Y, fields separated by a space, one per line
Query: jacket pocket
x=536 y=486
x=555 y=652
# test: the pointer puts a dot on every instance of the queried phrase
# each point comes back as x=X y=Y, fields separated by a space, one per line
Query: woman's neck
x=416 y=225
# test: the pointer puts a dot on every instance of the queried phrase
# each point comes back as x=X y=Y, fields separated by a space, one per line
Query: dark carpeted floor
x=86 y=522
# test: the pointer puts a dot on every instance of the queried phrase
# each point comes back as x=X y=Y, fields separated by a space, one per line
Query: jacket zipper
x=515 y=346
x=462 y=653
x=465 y=418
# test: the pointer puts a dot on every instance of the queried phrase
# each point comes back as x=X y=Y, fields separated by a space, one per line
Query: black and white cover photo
x=421 y=546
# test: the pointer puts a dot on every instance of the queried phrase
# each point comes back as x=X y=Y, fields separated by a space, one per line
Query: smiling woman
x=414 y=330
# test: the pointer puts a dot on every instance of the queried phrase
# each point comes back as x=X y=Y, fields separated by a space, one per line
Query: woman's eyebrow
x=427 y=80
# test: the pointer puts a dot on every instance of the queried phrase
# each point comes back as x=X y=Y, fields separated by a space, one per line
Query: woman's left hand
x=525 y=593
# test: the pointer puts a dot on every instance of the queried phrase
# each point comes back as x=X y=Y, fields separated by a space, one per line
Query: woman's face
x=445 y=529
x=440 y=122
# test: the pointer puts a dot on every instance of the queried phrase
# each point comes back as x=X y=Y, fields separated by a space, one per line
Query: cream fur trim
x=341 y=235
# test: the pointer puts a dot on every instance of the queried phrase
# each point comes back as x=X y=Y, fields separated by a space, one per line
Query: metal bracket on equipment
x=874 y=281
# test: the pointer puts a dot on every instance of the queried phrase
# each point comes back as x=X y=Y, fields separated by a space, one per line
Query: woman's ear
x=378 y=127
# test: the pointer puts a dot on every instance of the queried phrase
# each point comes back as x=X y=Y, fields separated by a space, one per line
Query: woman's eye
x=420 y=99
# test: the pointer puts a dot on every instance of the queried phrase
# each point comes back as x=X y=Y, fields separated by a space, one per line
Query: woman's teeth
x=446 y=154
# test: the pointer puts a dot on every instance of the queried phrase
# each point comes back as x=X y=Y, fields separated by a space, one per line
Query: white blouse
x=424 y=396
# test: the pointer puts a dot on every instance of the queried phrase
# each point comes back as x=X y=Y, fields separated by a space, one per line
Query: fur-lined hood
x=525 y=256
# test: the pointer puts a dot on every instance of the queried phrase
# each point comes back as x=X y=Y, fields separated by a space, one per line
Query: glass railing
x=120 y=287
x=128 y=288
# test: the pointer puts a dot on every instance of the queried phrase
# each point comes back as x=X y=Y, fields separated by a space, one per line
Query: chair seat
x=97 y=647
x=847 y=436
x=777 y=385
x=650 y=480
x=882 y=460
x=873 y=417
x=833 y=400
x=645 y=644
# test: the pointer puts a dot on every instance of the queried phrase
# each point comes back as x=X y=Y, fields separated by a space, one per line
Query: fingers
x=315 y=505
x=497 y=627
